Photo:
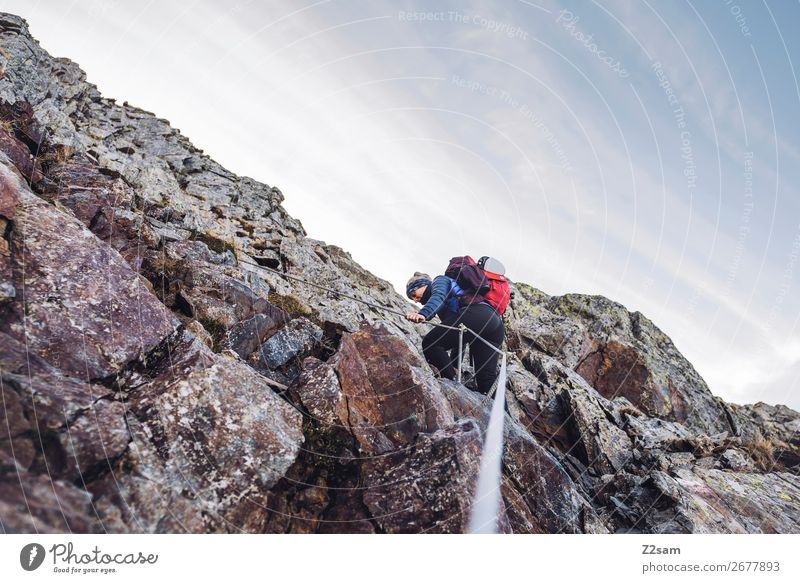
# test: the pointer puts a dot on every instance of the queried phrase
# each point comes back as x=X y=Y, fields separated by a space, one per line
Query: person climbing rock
x=440 y=297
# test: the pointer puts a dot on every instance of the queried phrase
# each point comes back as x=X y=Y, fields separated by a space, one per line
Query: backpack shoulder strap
x=455 y=289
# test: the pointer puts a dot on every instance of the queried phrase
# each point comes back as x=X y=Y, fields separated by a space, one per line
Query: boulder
x=143 y=495
x=87 y=189
x=576 y=415
x=427 y=486
x=84 y=308
x=619 y=353
x=543 y=493
x=295 y=340
x=56 y=424
x=389 y=401
x=208 y=286
x=318 y=391
x=216 y=423
x=21 y=157
x=36 y=503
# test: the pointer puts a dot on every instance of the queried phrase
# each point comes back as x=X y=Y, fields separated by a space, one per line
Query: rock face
x=61 y=270
x=620 y=354
x=162 y=370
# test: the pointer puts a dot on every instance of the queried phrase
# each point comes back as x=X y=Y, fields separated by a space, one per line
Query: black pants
x=440 y=345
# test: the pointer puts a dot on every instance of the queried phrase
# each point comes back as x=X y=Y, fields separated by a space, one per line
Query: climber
x=440 y=296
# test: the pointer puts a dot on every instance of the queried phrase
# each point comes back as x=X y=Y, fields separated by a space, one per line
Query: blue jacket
x=440 y=292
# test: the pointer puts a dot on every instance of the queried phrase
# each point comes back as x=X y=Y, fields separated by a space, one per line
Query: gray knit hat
x=417 y=281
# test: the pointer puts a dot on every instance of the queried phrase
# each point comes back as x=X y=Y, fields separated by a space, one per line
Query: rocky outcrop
x=169 y=363
x=60 y=269
x=210 y=433
x=620 y=354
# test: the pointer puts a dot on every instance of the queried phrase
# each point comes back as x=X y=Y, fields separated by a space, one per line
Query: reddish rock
x=31 y=503
x=16 y=359
x=343 y=402
x=38 y=404
x=9 y=198
x=126 y=231
x=176 y=356
x=19 y=155
x=66 y=421
x=84 y=307
x=317 y=390
x=103 y=202
x=14 y=428
x=322 y=491
x=620 y=353
x=210 y=439
x=19 y=115
x=95 y=439
x=427 y=486
x=223 y=421
x=388 y=403
x=219 y=430
x=85 y=189
x=7 y=291
x=142 y=495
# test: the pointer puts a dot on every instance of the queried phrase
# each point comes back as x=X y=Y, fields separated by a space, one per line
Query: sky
x=646 y=151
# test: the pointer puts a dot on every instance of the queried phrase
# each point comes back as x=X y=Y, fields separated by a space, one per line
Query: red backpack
x=499 y=293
